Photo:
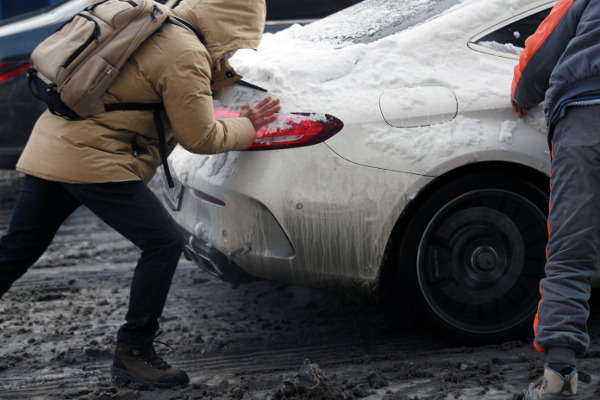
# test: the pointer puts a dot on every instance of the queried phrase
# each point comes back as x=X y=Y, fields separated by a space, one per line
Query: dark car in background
x=24 y=24
x=283 y=13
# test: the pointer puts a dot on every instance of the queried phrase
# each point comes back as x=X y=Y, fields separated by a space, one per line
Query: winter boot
x=139 y=363
x=554 y=385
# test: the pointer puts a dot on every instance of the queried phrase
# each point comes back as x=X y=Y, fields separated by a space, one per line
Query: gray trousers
x=574 y=232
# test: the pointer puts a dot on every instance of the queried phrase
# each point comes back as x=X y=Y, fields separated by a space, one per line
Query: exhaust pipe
x=203 y=262
x=215 y=263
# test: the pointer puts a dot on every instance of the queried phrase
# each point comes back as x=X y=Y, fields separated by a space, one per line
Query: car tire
x=472 y=255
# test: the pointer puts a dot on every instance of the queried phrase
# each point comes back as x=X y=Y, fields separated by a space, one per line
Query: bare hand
x=262 y=113
x=521 y=111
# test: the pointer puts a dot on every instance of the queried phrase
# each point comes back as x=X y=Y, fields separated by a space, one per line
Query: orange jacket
x=559 y=64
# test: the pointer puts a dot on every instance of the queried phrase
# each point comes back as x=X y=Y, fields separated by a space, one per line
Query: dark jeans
x=128 y=207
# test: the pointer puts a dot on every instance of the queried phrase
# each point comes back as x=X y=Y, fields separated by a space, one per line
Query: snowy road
x=260 y=341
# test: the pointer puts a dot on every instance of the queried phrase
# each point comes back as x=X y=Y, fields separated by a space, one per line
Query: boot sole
x=124 y=376
x=558 y=396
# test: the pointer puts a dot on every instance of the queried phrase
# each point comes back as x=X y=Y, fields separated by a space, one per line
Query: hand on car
x=262 y=113
x=521 y=111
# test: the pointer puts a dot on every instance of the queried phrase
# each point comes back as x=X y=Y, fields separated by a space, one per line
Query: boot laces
x=538 y=383
x=155 y=361
x=150 y=357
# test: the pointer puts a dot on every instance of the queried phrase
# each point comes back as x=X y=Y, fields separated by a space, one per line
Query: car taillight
x=291 y=130
x=10 y=70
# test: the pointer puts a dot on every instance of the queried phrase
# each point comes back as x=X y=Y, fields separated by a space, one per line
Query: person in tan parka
x=105 y=161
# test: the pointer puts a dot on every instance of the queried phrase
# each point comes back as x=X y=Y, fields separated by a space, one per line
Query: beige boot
x=553 y=385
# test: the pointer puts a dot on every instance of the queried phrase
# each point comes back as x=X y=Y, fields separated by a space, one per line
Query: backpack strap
x=162 y=146
x=182 y=22
x=48 y=94
x=157 y=108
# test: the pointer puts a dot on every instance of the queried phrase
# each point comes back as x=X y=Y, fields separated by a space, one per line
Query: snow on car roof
x=322 y=76
x=371 y=19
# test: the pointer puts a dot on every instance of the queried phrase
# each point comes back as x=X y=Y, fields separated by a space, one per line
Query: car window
x=12 y=8
x=510 y=39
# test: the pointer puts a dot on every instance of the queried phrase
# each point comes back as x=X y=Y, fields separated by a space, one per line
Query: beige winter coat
x=172 y=66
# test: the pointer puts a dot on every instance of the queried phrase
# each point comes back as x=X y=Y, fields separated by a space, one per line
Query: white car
x=410 y=169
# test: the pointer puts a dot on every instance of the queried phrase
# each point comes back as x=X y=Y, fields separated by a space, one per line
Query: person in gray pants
x=559 y=65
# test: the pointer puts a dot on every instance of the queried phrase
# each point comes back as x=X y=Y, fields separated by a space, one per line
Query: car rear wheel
x=472 y=256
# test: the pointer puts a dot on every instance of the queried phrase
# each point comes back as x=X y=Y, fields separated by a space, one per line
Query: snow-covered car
x=405 y=168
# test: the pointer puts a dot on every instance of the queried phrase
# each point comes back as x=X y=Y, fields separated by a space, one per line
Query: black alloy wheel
x=472 y=257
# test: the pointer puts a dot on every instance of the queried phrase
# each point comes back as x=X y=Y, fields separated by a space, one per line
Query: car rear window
x=371 y=20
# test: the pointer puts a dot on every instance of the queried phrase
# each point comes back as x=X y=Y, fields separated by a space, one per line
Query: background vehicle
x=24 y=24
x=432 y=187
x=282 y=14
x=21 y=29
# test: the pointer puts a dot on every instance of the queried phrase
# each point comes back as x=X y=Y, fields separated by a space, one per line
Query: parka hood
x=226 y=25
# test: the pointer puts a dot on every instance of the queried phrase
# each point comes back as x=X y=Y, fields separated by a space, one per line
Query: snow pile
x=318 y=75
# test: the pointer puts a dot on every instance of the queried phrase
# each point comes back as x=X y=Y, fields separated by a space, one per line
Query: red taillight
x=10 y=70
x=291 y=130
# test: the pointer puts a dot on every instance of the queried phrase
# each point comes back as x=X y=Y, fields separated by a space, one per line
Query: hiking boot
x=555 y=385
x=139 y=363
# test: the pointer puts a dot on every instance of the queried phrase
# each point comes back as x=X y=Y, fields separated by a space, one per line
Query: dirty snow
x=262 y=341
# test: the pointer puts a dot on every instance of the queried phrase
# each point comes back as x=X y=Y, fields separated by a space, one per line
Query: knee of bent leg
x=165 y=238
x=171 y=241
x=175 y=242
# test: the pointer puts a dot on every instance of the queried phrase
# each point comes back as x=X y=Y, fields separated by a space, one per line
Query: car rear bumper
x=276 y=216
